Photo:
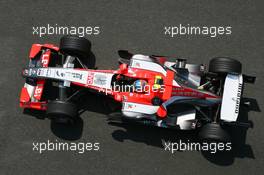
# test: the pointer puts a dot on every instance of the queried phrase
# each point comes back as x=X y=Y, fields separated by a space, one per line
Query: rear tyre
x=213 y=132
x=224 y=65
x=62 y=111
x=75 y=46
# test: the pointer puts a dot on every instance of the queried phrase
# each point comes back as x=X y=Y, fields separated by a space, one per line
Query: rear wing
x=231 y=97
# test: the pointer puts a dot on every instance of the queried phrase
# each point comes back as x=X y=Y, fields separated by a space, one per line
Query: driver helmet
x=140 y=85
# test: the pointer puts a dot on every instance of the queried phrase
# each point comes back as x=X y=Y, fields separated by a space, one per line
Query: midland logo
x=238 y=97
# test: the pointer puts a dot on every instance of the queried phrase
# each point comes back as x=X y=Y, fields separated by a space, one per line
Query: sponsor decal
x=74 y=75
x=39 y=72
x=238 y=98
x=100 y=79
x=129 y=106
x=137 y=64
x=60 y=74
x=48 y=72
x=90 y=78
x=45 y=60
x=38 y=92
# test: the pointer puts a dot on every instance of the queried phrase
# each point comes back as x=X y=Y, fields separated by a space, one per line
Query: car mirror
x=125 y=54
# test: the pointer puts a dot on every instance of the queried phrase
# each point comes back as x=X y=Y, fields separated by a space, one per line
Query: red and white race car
x=151 y=89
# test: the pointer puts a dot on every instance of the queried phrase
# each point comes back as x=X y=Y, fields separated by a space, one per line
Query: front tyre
x=75 y=46
x=62 y=111
x=224 y=65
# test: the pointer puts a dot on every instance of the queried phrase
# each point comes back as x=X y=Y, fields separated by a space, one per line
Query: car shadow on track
x=157 y=136
x=63 y=131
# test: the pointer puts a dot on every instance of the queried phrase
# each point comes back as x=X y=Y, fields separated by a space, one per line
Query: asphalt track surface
x=138 y=27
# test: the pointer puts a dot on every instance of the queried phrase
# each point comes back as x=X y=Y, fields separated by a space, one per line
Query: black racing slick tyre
x=62 y=111
x=224 y=65
x=213 y=132
x=75 y=46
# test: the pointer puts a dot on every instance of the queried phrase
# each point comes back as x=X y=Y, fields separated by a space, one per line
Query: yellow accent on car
x=157 y=82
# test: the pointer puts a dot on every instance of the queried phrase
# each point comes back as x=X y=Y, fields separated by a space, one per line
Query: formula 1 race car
x=150 y=89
